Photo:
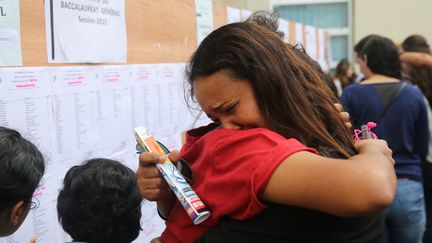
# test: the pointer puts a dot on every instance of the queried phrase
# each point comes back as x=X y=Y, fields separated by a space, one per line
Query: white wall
x=395 y=19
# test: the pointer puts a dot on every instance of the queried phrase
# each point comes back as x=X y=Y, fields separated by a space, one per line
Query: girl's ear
x=365 y=59
x=18 y=213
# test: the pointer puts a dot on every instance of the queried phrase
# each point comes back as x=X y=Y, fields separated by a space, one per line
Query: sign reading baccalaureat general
x=86 y=31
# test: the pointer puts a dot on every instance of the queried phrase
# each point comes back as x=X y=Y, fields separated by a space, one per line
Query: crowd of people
x=278 y=162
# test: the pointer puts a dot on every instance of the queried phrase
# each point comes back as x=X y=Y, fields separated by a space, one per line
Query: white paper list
x=25 y=105
x=144 y=99
x=74 y=93
x=113 y=121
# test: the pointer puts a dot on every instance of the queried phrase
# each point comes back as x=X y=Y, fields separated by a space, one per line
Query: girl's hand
x=152 y=185
x=343 y=115
x=377 y=145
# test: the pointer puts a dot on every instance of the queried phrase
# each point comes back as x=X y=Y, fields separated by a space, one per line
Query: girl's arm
x=362 y=184
x=417 y=58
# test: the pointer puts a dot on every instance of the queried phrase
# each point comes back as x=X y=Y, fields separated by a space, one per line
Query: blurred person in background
x=421 y=75
x=344 y=75
x=399 y=110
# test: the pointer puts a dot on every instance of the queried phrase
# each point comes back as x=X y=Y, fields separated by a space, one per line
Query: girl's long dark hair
x=290 y=93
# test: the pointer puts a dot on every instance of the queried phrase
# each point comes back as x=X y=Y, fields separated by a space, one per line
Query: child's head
x=378 y=55
x=21 y=169
x=287 y=94
x=100 y=202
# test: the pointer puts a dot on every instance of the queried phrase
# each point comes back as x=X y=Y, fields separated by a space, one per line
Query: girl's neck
x=378 y=79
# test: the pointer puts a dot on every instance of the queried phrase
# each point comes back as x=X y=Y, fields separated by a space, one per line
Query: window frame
x=344 y=31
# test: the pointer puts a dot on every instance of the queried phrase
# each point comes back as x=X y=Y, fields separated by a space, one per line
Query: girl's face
x=229 y=102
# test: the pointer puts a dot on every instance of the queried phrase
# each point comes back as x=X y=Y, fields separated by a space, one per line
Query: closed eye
x=231 y=109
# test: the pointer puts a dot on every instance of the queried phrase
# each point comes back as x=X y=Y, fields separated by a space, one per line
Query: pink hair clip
x=365 y=132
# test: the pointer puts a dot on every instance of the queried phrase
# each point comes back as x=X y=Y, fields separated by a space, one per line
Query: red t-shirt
x=230 y=168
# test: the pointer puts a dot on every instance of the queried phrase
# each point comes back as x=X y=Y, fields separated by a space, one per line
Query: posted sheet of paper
x=299 y=33
x=25 y=104
x=311 y=41
x=113 y=119
x=76 y=113
x=74 y=102
x=322 y=55
x=144 y=97
x=233 y=15
x=10 y=41
x=82 y=31
x=284 y=28
x=245 y=14
x=204 y=18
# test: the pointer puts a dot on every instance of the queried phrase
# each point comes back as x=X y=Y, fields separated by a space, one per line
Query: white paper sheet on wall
x=76 y=113
x=113 y=120
x=233 y=15
x=10 y=40
x=74 y=93
x=25 y=105
x=299 y=33
x=284 y=28
x=323 y=58
x=311 y=42
x=128 y=156
x=204 y=19
x=86 y=31
x=144 y=99
x=168 y=93
x=245 y=14
x=175 y=119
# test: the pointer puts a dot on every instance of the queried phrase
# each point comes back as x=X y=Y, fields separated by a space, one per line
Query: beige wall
x=395 y=19
x=251 y=5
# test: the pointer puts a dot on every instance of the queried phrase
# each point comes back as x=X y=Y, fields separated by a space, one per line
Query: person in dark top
x=400 y=112
x=285 y=224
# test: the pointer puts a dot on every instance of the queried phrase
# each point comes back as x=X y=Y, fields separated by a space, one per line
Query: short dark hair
x=362 y=43
x=21 y=168
x=100 y=202
x=382 y=55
